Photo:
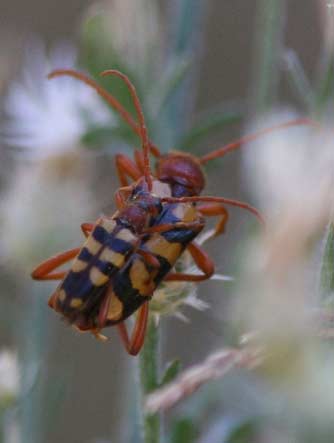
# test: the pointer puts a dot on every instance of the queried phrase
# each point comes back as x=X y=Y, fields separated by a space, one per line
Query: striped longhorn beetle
x=126 y=256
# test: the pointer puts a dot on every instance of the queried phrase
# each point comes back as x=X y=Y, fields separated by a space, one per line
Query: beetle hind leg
x=44 y=270
x=134 y=343
x=202 y=261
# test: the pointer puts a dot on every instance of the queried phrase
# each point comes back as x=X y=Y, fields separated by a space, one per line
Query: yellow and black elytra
x=136 y=282
x=128 y=255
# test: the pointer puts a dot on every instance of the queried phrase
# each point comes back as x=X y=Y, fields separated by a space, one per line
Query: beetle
x=159 y=216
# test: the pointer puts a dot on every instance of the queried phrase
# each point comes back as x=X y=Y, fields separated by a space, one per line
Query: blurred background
x=196 y=64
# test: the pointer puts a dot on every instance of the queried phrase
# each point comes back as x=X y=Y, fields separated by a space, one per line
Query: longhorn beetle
x=126 y=256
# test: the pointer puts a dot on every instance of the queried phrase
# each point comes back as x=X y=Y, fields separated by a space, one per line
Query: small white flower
x=46 y=117
x=9 y=376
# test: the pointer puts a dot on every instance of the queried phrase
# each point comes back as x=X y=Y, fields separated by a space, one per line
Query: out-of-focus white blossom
x=46 y=117
x=133 y=30
x=289 y=167
x=43 y=209
x=291 y=172
x=9 y=377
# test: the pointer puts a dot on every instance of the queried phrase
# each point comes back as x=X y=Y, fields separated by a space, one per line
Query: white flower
x=46 y=117
x=9 y=376
x=133 y=29
x=43 y=209
x=289 y=166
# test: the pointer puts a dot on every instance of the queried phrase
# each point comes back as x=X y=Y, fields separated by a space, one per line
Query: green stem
x=2 y=427
x=325 y=88
x=269 y=30
x=148 y=376
x=327 y=266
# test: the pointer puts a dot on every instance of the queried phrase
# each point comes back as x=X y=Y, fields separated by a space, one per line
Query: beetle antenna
x=220 y=152
x=110 y=99
x=141 y=119
x=208 y=199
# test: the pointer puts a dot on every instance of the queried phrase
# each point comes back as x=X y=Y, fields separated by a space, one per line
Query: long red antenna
x=209 y=199
x=113 y=102
x=220 y=152
x=141 y=119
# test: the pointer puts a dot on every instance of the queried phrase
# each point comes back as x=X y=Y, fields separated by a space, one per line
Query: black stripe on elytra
x=119 y=245
x=85 y=255
x=100 y=234
x=181 y=235
x=79 y=285
x=108 y=239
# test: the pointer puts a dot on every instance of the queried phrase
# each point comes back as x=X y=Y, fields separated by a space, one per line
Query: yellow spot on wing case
x=97 y=277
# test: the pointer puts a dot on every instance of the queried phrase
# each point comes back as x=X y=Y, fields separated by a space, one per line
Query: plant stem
x=325 y=88
x=2 y=427
x=148 y=376
x=327 y=266
x=269 y=27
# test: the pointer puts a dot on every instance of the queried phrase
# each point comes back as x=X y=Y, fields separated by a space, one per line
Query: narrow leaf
x=172 y=370
x=327 y=266
x=212 y=121
x=105 y=135
x=244 y=433
x=184 y=431
x=325 y=91
x=172 y=78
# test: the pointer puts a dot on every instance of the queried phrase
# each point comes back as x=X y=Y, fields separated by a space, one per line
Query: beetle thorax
x=182 y=172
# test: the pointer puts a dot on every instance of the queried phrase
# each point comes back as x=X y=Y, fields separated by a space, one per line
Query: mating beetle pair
x=126 y=256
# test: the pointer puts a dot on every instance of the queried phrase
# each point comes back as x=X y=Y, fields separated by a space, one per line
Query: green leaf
x=171 y=79
x=185 y=24
x=171 y=371
x=325 y=90
x=327 y=266
x=98 y=54
x=212 y=121
x=243 y=433
x=105 y=136
x=184 y=431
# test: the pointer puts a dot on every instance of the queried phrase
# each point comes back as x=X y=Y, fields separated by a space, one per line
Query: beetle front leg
x=212 y=209
x=134 y=344
x=121 y=196
x=202 y=261
x=44 y=270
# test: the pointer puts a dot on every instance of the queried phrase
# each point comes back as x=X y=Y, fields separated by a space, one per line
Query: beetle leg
x=87 y=228
x=44 y=270
x=134 y=344
x=126 y=168
x=212 y=209
x=121 y=195
x=202 y=261
x=149 y=258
